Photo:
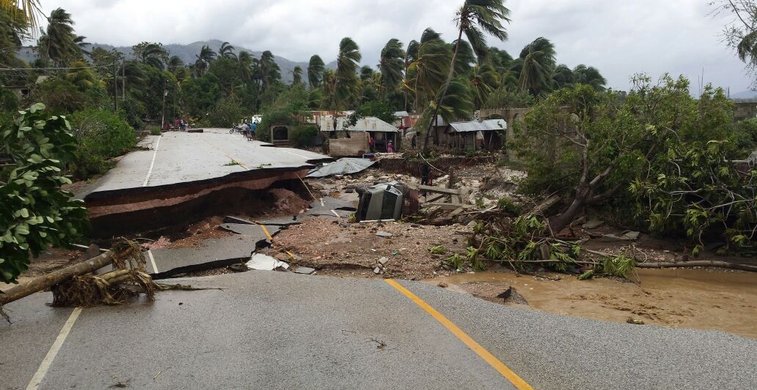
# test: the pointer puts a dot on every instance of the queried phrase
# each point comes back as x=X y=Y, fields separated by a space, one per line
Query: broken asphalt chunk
x=383 y=234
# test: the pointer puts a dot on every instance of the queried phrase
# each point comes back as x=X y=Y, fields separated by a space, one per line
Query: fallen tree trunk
x=700 y=263
x=47 y=281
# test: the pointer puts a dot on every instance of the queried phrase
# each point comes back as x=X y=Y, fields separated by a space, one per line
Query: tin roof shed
x=485 y=125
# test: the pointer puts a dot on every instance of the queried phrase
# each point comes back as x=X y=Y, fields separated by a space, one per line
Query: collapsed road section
x=179 y=178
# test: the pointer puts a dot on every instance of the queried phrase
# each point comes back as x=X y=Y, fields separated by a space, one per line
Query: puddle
x=701 y=299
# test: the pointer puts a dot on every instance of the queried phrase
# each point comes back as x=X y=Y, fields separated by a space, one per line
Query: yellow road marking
x=265 y=231
x=495 y=363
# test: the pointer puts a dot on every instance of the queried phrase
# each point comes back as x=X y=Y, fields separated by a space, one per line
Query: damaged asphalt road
x=281 y=330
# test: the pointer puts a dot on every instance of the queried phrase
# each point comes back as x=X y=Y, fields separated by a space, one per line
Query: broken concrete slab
x=304 y=270
x=263 y=262
x=233 y=219
x=284 y=221
x=250 y=230
x=383 y=261
x=332 y=207
x=209 y=254
x=384 y=234
x=343 y=166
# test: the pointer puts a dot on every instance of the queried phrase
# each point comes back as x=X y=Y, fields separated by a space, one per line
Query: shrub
x=101 y=135
x=304 y=136
x=226 y=113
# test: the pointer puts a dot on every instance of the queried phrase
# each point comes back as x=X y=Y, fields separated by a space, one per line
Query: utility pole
x=163 y=111
x=115 y=86
x=123 y=81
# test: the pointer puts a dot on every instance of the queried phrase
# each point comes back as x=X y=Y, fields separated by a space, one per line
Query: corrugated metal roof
x=485 y=125
x=370 y=123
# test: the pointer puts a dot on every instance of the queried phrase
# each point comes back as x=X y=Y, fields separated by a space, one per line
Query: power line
x=56 y=68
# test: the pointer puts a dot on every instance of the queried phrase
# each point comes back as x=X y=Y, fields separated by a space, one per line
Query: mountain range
x=188 y=52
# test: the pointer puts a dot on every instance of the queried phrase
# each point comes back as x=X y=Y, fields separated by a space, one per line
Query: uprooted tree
x=35 y=212
x=657 y=158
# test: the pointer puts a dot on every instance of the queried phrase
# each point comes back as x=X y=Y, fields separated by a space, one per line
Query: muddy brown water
x=684 y=298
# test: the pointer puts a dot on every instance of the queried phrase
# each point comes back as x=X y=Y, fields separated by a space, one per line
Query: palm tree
x=425 y=74
x=297 y=75
x=465 y=59
x=227 y=51
x=26 y=10
x=245 y=61
x=174 y=63
x=391 y=64
x=203 y=60
x=12 y=32
x=484 y=80
x=315 y=71
x=474 y=18
x=346 y=71
x=590 y=76
x=150 y=53
x=57 y=43
x=563 y=77
x=537 y=64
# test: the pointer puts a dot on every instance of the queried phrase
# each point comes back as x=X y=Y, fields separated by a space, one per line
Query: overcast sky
x=620 y=38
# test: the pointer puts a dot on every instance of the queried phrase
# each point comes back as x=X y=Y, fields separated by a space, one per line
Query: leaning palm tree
x=425 y=75
x=474 y=18
x=203 y=59
x=58 y=42
x=315 y=71
x=346 y=71
x=245 y=61
x=537 y=62
x=391 y=64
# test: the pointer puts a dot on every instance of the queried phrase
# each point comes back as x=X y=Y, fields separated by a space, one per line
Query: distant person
x=371 y=143
x=253 y=129
x=176 y=123
x=425 y=175
x=390 y=147
x=183 y=125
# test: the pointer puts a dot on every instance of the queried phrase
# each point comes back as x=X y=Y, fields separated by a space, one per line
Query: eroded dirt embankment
x=152 y=210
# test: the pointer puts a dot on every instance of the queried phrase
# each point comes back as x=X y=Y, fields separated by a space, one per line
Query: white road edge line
x=152 y=163
x=152 y=261
x=48 y=360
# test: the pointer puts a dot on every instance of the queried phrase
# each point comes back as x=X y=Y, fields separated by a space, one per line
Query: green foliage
x=522 y=239
x=379 y=109
x=226 y=113
x=620 y=266
x=101 y=135
x=291 y=108
x=674 y=150
x=438 y=250
x=304 y=135
x=507 y=205
x=36 y=213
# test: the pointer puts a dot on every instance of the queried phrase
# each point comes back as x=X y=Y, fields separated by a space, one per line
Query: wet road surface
x=279 y=330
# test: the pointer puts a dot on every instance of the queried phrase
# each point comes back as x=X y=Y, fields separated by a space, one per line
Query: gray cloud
x=619 y=38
